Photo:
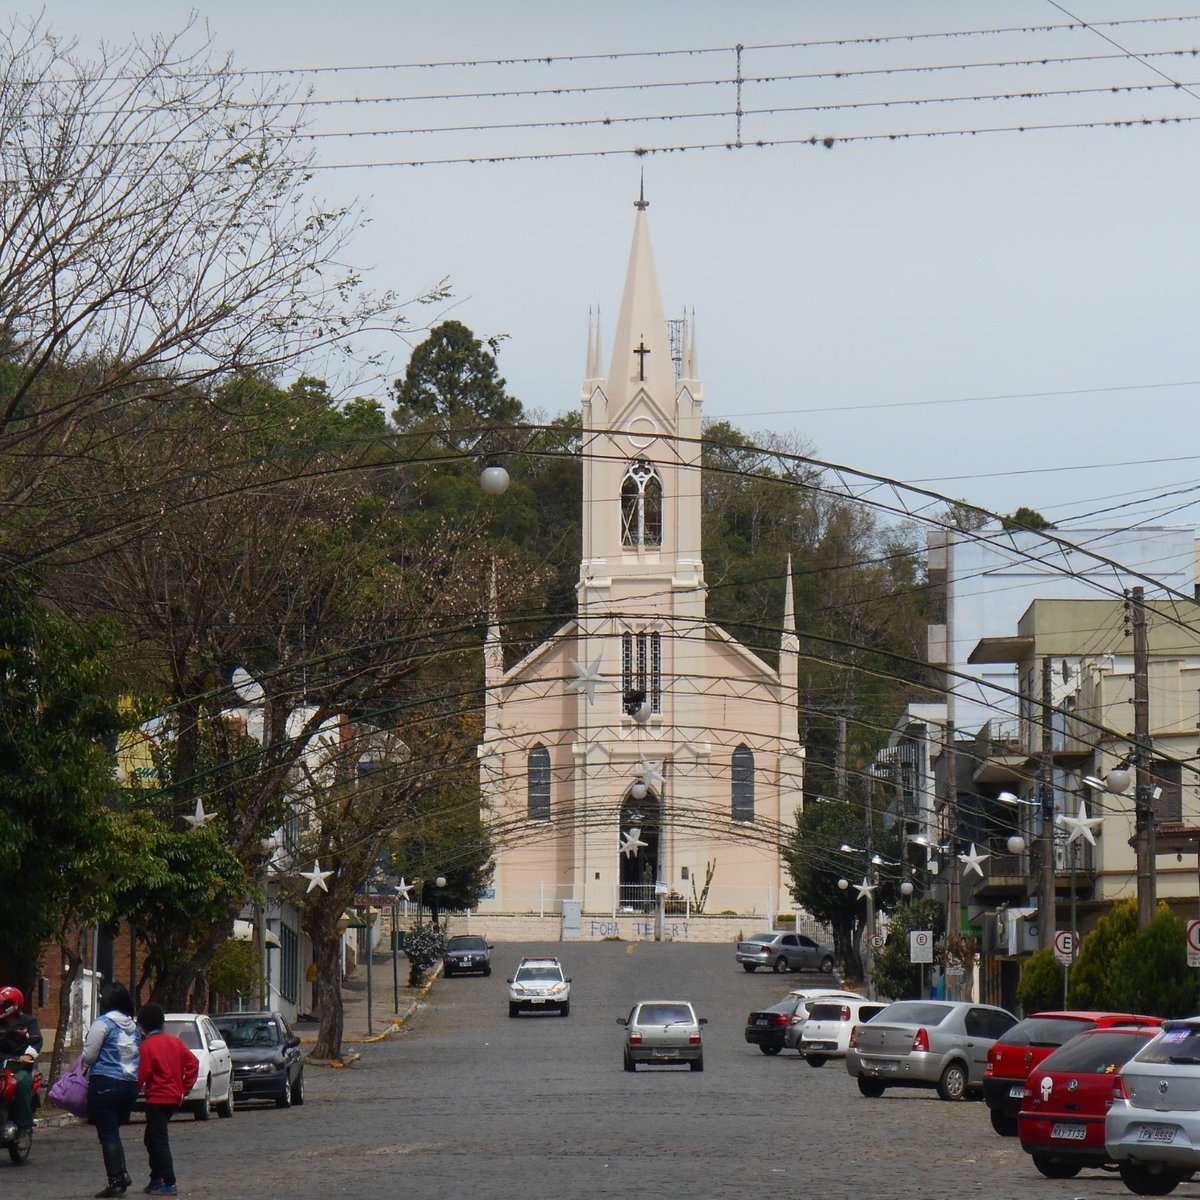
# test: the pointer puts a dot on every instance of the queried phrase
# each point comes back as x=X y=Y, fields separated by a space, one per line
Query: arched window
x=641 y=506
x=644 y=671
x=742 y=786
x=538 y=771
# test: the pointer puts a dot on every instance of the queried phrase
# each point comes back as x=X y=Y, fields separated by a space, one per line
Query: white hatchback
x=825 y=1033
x=214 y=1084
x=806 y=997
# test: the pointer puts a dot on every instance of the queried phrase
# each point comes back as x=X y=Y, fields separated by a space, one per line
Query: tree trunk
x=329 y=998
x=70 y=978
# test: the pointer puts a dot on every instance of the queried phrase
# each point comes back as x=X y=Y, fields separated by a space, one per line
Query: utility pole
x=1047 y=917
x=1144 y=783
x=953 y=902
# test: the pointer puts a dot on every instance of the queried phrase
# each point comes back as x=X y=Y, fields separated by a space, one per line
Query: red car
x=1061 y=1123
x=1025 y=1045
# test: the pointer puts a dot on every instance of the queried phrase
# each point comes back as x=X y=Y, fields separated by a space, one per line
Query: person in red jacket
x=166 y=1071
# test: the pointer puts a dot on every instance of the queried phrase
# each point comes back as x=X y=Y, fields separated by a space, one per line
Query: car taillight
x=854 y=1036
x=920 y=1042
x=845 y=1012
x=693 y=1039
x=779 y=1019
x=1119 y=1092
x=635 y=1039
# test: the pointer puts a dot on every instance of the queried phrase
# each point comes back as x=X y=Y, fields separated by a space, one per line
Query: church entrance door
x=640 y=828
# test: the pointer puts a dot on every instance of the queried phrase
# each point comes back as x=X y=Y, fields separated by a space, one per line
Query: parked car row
x=779 y=1026
x=242 y=1056
x=1080 y=1089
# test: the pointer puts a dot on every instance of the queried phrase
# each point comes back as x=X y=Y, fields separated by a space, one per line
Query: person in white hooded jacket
x=110 y=1057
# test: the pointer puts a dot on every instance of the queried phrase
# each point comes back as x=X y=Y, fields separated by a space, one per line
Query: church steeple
x=641 y=357
x=789 y=664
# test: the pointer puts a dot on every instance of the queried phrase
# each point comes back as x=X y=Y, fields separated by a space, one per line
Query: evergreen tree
x=1150 y=972
x=1041 y=982
x=1092 y=974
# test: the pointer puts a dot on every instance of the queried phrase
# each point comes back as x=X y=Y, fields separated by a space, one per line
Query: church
x=642 y=752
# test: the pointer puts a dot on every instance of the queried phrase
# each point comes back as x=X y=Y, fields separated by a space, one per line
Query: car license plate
x=666 y=1053
x=1156 y=1133
x=1070 y=1133
x=237 y=1085
x=538 y=1000
x=879 y=1065
x=762 y=1021
x=1017 y=1091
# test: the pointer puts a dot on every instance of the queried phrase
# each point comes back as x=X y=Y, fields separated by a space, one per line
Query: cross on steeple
x=641 y=351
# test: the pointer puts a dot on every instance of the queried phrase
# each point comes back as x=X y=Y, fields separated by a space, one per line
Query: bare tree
x=157 y=230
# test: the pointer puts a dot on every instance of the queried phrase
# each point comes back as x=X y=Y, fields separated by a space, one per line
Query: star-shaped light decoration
x=586 y=679
x=652 y=772
x=200 y=818
x=864 y=889
x=973 y=861
x=403 y=888
x=1081 y=825
x=633 y=842
x=316 y=877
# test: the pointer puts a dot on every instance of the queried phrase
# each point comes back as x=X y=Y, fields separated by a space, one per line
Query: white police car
x=538 y=985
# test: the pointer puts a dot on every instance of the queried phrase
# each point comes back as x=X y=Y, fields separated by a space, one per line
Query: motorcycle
x=18 y=1142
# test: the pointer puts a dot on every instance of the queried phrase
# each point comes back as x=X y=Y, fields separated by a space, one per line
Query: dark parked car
x=1067 y=1096
x=268 y=1063
x=771 y=1029
x=467 y=952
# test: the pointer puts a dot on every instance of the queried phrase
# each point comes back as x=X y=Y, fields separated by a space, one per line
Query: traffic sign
x=1193 y=943
x=920 y=946
x=878 y=941
x=1064 y=946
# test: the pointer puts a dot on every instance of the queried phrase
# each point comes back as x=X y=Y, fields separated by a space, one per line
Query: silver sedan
x=782 y=951
x=926 y=1043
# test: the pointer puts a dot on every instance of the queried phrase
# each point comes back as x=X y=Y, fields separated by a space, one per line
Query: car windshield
x=186 y=1032
x=539 y=974
x=1097 y=1054
x=1046 y=1031
x=466 y=942
x=241 y=1033
x=915 y=1012
x=1179 y=1045
x=664 y=1014
x=825 y=1012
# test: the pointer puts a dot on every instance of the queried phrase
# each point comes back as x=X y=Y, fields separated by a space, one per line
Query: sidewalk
x=393 y=1002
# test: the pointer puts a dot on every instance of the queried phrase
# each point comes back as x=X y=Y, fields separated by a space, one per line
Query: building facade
x=642 y=751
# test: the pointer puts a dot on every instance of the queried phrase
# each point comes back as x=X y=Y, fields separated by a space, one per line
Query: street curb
x=396 y=1026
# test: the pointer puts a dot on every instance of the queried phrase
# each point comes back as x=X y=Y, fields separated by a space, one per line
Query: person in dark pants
x=20 y=1043
x=110 y=1057
x=166 y=1071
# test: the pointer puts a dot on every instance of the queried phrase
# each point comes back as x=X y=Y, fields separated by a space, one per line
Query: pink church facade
x=586 y=802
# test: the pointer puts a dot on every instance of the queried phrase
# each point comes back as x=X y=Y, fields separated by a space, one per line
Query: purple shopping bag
x=71 y=1088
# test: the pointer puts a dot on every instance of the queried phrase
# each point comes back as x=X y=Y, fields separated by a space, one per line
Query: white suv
x=539 y=984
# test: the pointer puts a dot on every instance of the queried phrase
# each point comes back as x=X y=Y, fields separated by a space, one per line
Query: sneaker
x=165 y=1189
x=152 y=1186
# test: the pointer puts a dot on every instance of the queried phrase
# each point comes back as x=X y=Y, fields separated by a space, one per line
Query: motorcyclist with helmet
x=20 y=1043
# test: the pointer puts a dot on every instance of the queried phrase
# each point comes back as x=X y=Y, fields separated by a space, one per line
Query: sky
x=1005 y=317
